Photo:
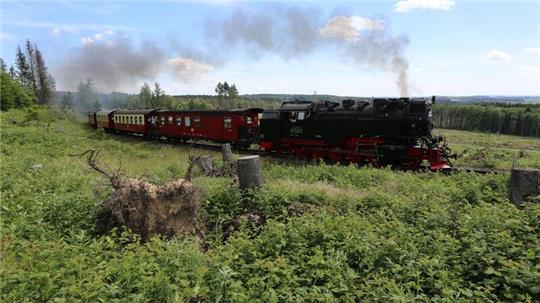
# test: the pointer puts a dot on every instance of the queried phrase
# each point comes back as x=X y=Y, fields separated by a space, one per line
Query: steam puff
x=349 y=27
x=187 y=69
x=287 y=33
x=112 y=65
x=369 y=43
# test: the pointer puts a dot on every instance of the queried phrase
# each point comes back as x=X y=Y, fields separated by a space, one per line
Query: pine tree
x=226 y=89
x=23 y=69
x=233 y=92
x=32 y=75
x=157 y=96
x=219 y=90
x=145 y=96
x=43 y=88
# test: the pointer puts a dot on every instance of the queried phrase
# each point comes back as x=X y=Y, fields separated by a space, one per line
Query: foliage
x=13 y=94
x=521 y=120
x=328 y=234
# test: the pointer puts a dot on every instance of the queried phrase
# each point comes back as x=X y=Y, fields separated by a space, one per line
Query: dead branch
x=93 y=155
x=189 y=172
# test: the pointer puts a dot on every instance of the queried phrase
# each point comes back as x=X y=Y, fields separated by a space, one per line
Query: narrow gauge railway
x=378 y=132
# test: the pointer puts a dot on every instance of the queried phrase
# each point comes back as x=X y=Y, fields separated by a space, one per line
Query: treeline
x=28 y=81
x=521 y=120
x=86 y=99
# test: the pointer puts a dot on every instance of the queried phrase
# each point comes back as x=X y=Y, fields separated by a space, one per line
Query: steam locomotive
x=381 y=132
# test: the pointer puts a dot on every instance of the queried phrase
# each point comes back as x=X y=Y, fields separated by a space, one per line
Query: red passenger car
x=132 y=121
x=104 y=119
x=239 y=127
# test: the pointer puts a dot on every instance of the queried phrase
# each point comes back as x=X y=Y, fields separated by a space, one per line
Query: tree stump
x=249 y=172
x=227 y=153
x=523 y=183
x=204 y=163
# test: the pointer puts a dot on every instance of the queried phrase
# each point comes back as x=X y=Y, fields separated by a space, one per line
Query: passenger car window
x=187 y=121
x=227 y=122
x=162 y=121
x=196 y=121
x=248 y=120
x=178 y=121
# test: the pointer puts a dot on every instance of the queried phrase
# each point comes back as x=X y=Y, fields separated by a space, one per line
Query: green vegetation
x=511 y=119
x=492 y=151
x=329 y=233
x=28 y=81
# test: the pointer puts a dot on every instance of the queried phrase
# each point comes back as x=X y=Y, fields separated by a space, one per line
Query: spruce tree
x=22 y=67
x=43 y=88
x=31 y=57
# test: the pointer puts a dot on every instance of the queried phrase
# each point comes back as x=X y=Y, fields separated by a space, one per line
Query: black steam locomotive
x=380 y=132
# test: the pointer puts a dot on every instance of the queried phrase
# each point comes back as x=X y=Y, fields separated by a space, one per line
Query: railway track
x=285 y=157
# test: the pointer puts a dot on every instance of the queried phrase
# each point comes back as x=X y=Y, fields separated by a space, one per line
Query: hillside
x=326 y=234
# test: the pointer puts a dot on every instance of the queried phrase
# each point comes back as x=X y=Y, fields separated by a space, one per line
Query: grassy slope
x=491 y=150
x=330 y=233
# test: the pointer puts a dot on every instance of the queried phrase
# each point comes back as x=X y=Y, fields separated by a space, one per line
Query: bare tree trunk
x=249 y=172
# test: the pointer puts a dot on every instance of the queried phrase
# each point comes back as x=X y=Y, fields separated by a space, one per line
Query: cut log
x=204 y=163
x=249 y=172
x=227 y=153
x=524 y=183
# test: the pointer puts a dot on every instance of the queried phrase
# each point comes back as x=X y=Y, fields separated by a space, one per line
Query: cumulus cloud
x=405 y=6
x=6 y=36
x=532 y=50
x=93 y=39
x=496 y=55
x=530 y=71
x=187 y=69
x=350 y=27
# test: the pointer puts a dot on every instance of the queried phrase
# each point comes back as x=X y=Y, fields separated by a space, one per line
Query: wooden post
x=523 y=183
x=249 y=172
x=227 y=153
x=204 y=163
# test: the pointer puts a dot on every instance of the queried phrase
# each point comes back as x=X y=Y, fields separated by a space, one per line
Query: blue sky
x=454 y=47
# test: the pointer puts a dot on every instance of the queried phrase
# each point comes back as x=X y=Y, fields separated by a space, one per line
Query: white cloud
x=405 y=6
x=93 y=39
x=187 y=69
x=496 y=55
x=6 y=36
x=530 y=71
x=349 y=27
x=532 y=50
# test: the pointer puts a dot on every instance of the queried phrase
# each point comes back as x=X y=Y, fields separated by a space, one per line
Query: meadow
x=328 y=233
